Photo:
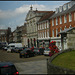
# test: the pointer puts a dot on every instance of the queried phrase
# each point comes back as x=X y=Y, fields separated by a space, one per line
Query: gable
x=30 y=15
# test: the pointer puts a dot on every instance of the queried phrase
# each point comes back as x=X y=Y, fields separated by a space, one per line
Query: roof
x=42 y=11
x=5 y=64
x=64 y=12
x=66 y=30
x=46 y=16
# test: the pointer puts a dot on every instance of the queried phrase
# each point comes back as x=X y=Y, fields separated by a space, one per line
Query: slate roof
x=46 y=16
x=42 y=11
x=64 y=12
x=66 y=30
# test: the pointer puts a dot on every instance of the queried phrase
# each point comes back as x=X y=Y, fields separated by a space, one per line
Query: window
x=45 y=26
x=70 y=17
x=38 y=27
x=56 y=32
x=56 y=21
x=40 y=35
x=64 y=7
x=53 y=33
x=65 y=27
x=60 y=20
x=43 y=34
x=47 y=33
x=52 y=22
x=70 y=26
x=60 y=29
x=60 y=8
x=65 y=18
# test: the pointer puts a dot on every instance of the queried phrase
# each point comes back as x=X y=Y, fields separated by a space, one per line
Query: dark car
x=39 y=51
x=26 y=53
x=8 y=68
x=17 y=49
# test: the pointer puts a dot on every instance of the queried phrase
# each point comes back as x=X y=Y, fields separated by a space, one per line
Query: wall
x=71 y=39
x=53 y=69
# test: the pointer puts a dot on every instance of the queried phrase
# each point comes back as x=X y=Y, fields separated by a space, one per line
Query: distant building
x=4 y=35
x=24 y=35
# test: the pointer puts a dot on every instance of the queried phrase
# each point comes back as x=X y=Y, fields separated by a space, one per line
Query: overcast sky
x=13 y=13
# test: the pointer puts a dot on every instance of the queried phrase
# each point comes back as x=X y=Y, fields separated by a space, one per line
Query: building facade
x=4 y=35
x=43 y=30
x=62 y=19
x=32 y=18
x=24 y=35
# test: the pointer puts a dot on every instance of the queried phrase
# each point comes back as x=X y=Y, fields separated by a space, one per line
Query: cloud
x=21 y=10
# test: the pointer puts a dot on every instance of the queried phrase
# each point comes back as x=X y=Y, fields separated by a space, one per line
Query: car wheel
x=20 y=56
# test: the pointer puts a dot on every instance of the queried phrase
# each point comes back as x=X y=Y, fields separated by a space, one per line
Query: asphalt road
x=14 y=57
x=32 y=65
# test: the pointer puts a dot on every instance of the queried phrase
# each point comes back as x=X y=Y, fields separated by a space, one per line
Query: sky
x=13 y=13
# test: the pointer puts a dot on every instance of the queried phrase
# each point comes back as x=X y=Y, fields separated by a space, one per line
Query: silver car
x=46 y=51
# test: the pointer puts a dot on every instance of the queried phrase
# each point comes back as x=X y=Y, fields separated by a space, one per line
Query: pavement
x=32 y=67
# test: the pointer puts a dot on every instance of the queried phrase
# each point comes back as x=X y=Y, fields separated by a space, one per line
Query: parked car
x=46 y=51
x=26 y=53
x=17 y=49
x=8 y=68
x=39 y=51
x=10 y=47
x=5 y=48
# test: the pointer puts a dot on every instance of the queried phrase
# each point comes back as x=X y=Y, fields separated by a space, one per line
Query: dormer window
x=60 y=8
x=65 y=7
x=70 y=5
x=57 y=10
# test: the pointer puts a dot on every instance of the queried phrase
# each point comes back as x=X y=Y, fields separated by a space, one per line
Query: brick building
x=43 y=30
x=4 y=35
x=62 y=19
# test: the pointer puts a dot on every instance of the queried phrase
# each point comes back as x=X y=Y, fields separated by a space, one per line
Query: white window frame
x=60 y=29
x=47 y=33
x=56 y=21
x=56 y=32
x=45 y=25
x=65 y=19
x=53 y=33
x=38 y=27
x=60 y=20
x=70 y=17
x=70 y=26
x=43 y=34
x=52 y=22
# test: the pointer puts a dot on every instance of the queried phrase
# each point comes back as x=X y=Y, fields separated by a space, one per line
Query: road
x=14 y=57
x=32 y=65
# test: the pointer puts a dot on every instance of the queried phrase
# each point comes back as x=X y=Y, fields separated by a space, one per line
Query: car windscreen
x=8 y=70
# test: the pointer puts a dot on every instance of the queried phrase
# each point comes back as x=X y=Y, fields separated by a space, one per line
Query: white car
x=9 y=48
x=46 y=51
